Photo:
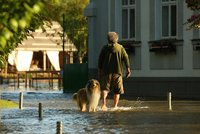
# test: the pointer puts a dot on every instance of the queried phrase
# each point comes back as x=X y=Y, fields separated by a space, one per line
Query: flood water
x=133 y=116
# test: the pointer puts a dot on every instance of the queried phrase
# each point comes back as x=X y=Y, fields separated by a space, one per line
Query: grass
x=8 y=104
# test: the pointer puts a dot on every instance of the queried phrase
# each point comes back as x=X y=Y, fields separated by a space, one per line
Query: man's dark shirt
x=111 y=59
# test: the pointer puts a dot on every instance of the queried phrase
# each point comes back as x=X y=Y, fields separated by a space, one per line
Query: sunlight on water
x=132 y=116
x=60 y=107
x=121 y=109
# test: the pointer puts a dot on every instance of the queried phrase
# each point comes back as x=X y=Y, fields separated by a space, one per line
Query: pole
x=59 y=127
x=170 y=101
x=40 y=111
x=21 y=100
x=63 y=41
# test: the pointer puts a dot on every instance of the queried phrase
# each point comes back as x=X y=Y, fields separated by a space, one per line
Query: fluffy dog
x=88 y=98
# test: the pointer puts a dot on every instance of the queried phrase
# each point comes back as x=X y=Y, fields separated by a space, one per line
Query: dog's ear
x=87 y=84
x=98 y=82
x=92 y=82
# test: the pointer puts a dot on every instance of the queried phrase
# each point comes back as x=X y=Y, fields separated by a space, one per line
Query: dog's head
x=92 y=85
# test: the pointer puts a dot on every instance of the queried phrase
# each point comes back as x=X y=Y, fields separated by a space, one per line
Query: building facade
x=164 y=54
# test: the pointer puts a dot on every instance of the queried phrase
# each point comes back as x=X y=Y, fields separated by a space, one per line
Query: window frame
x=169 y=4
x=129 y=6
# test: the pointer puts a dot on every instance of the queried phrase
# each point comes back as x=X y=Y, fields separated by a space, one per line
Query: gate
x=75 y=76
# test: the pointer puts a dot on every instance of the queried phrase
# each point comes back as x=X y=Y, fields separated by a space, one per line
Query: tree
x=76 y=26
x=75 y=23
x=194 y=20
x=17 y=19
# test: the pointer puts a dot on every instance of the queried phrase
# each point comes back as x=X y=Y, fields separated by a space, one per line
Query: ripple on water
x=26 y=121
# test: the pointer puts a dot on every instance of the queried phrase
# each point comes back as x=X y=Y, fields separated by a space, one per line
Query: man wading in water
x=110 y=69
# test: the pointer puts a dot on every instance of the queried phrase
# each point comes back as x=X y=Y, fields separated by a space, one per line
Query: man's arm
x=128 y=72
x=127 y=64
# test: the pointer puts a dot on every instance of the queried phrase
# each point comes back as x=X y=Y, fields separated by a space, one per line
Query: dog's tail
x=74 y=96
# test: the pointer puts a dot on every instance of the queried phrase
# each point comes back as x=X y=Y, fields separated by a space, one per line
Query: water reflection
x=132 y=117
x=26 y=121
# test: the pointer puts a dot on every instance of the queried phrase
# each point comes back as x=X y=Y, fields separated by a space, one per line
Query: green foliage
x=193 y=4
x=74 y=23
x=17 y=19
x=194 y=20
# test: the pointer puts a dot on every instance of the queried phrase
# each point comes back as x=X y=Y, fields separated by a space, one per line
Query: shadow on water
x=135 y=117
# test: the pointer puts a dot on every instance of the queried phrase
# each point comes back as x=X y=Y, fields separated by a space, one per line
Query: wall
x=152 y=73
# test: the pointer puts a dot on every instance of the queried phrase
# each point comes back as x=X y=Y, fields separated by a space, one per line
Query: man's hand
x=128 y=72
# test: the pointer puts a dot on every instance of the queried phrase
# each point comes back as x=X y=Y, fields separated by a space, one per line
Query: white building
x=164 y=55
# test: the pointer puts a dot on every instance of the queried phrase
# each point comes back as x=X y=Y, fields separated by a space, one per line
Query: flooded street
x=133 y=116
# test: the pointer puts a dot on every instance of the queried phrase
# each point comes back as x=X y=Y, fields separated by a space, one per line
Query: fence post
x=59 y=127
x=170 y=101
x=40 y=111
x=21 y=100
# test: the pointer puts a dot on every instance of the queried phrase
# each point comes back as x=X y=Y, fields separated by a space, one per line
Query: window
x=169 y=18
x=128 y=19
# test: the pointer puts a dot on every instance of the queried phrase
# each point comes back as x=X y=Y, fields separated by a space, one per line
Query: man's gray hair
x=112 y=37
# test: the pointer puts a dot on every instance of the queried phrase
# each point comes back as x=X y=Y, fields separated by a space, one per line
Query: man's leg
x=118 y=88
x=104 y=96
x=116 y=100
